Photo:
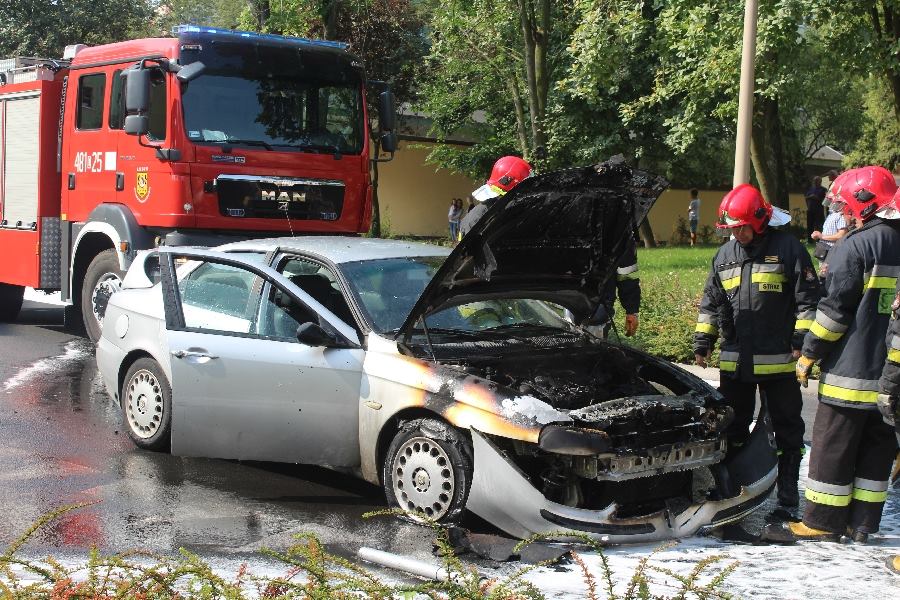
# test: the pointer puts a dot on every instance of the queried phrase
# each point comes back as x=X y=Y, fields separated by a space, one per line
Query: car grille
x=273 y=198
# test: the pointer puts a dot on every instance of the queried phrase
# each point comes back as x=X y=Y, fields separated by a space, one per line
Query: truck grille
x=248 y=196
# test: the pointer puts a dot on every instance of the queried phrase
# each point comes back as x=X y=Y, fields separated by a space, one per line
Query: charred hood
x=555 y=237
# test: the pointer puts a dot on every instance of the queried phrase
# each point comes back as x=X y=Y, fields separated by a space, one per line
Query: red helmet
x=744 y=205
x=508 y=172
x=865 y=191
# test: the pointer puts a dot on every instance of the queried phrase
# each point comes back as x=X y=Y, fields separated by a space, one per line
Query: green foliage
x=211 y=13
x=672 y=281
x=45 y=27
x=880 y=140
x=312 y=573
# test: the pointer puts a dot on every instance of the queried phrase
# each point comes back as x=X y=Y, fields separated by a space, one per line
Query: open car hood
x=556 y=237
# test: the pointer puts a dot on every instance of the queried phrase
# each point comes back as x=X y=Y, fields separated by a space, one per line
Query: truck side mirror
x=137 y=90
x=387 y=111
x=137 y=101
x=136 y=124
x=389 y=142
x=190 y=71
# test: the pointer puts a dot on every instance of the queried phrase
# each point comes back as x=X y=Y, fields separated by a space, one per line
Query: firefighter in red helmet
x=760 y=299
x=507 y=173
x=852 y=447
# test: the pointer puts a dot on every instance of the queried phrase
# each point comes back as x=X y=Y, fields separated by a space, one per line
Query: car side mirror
x=313 y=334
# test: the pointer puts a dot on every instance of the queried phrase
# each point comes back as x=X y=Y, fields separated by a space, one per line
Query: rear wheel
x=102 y=279
x=147 y=405
x=428 y=470
x=10 y=301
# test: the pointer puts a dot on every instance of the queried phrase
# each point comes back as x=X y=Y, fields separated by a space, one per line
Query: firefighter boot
x=803 y=532
x=788 y=496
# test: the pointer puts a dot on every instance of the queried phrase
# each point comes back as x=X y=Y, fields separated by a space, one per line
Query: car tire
x=10 y=301
x=428 y=471
x=102 y=279
x=146 y=400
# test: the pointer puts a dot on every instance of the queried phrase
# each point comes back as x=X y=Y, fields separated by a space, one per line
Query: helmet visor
x=779 y=217
x=486 y=192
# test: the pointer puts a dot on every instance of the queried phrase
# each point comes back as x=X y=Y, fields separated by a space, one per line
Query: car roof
x=340 y=249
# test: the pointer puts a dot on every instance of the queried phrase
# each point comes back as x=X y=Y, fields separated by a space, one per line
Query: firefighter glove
x=631 y=325
x=804 y=366
x=889 y=407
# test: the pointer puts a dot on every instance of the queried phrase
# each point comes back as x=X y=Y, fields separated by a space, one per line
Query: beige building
x=415 y=197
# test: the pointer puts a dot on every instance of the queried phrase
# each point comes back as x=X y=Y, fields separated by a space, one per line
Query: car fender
x=394 y=383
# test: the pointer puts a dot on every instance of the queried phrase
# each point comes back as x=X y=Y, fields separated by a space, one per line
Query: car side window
x=320 y=283
x=217 y=297
x=281 y=315
x=89 y=113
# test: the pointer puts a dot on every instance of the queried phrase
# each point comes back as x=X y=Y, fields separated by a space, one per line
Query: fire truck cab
x=208 y=136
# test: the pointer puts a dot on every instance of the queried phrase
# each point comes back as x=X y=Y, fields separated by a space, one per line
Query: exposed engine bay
x=640 y=434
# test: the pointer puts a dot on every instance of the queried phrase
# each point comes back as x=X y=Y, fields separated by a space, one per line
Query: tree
x=879 y=143
x=45 y=27
x=212 y=13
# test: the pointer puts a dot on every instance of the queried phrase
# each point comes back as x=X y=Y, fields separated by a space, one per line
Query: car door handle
x=192 y=354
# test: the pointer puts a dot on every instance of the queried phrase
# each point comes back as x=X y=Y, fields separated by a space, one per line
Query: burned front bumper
x=503 y=495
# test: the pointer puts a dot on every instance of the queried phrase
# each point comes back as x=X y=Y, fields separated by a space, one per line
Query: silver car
x=460 y=380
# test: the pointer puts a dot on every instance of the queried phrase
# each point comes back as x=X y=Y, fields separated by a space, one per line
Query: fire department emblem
x=142 y=186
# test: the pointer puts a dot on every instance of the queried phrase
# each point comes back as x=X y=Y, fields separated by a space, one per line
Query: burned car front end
x=570 y=434
x=596 y=438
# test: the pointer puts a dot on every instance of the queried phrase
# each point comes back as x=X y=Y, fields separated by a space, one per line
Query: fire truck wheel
x=10 y=301
x=147 y=405
x=101 y=281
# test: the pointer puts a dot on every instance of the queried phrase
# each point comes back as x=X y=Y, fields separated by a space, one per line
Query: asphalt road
x=63 y=443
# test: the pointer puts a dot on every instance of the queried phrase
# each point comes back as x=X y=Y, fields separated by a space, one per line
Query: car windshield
x=276 y=98
x=387 y=290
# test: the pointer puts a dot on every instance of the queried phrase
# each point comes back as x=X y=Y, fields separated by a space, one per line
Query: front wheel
x=10 y=301
x=147 y=405
x=428 y=470
x=102 y=279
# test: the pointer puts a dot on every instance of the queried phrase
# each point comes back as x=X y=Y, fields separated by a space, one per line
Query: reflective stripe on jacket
x=890 y=376
x=761 y=301
x=848 y=334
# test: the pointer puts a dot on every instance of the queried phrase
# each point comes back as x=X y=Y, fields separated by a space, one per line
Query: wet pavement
x=63 y=443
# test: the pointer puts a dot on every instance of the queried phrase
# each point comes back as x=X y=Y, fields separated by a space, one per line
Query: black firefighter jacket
x=848 y=334
x=626 y=284
x=761 y=300
x=890 y=376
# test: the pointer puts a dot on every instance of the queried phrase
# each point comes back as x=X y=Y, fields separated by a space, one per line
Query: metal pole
x=745 y=97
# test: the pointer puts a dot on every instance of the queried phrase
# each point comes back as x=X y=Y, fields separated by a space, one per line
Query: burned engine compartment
x=643 y=434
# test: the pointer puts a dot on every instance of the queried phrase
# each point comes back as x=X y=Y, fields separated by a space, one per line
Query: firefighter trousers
x=783 y=400
x=852 y=453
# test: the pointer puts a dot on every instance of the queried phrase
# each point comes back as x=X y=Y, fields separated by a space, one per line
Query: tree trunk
x=512 y=84
x=531 y=41
x=646 y=233
x=263 y=11
x=767 y=153
x=330 y=18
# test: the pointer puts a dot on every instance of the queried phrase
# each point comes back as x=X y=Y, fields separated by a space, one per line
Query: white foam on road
x=34 y=295
x=74 y=350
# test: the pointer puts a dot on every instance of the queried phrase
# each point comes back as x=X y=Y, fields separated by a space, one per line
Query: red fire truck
x=205 y=137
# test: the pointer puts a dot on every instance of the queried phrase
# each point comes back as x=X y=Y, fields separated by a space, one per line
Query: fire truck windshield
x=276 y=98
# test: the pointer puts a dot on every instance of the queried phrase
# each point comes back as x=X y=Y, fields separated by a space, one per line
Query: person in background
x=834 y=228
x=814 y=196
x=454 y=215
x=694 y=214
x=471 y=206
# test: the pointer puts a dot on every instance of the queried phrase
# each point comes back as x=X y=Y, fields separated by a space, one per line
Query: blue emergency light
x=249 y=35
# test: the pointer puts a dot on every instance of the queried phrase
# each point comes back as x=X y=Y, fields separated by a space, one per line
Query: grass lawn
x=672 y=280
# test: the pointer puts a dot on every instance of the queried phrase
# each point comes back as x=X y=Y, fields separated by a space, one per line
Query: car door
x=243 y=386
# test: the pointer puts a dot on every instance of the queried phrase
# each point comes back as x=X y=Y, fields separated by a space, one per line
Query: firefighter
x=627 y=286
x=507 y=173
x=852 y=447
x=761 y=297
x=889 y=398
